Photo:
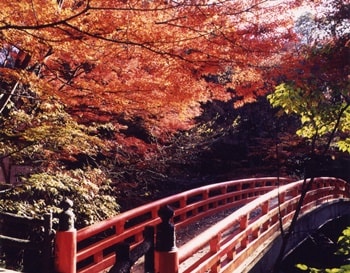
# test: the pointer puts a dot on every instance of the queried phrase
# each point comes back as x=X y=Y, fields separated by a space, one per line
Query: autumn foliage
x=120 y=85
x=316 y=87
x=153 y=59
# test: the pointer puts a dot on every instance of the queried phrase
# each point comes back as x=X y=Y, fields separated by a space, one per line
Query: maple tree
x=316 y=90
x=141 y=66
x=112 y=81
x=146 y=58
x=107 y=84
x=317 y=87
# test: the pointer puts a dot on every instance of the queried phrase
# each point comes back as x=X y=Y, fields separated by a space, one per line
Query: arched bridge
x=258 y=208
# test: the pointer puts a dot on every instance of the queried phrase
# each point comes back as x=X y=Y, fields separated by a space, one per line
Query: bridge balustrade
x=240 y=238
x=96 y=243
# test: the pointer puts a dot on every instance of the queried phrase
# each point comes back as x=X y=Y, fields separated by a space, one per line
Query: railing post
x=214 y=248
x=265 y=209
x=66 y=237
x=48 y=243
x=166 y=254
x=123 y=262
x=149 y=255
x=205 y=197
x=243 y=224
x=126 y=258
x=183 y=203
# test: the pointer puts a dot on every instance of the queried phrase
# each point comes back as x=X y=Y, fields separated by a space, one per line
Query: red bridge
x=234 y=244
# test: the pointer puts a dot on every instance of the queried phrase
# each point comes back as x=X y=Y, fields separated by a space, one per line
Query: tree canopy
x=317 y=86
x=122 y=85
x=153 y=59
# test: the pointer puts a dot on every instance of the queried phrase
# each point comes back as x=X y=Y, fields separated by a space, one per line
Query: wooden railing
x=96 y=243
x=239 y=238
x=26 y=242
x=259 y=208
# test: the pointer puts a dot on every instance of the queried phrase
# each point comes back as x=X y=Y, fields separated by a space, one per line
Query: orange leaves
x=148 y=58
x=9 y=75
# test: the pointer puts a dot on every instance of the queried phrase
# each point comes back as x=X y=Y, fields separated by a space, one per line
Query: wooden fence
x=26 y=243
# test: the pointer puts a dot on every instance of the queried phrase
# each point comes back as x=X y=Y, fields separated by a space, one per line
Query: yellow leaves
x=292 y=100
x=52 y=132
x=343 y=243
x=66 y=138
x=345 y=121
x=344 y=145
x=320 y=115
x=302 y=267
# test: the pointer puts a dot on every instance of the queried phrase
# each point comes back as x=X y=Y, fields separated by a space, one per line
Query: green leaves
x=43 y=192
x=48 y=133
x=321 y=113
x=303 y=267
x=341 y=269
x=343 y=249
x=288 y=98
x=344 y=243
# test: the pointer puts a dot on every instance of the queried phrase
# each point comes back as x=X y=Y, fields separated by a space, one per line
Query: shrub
x=40 y=193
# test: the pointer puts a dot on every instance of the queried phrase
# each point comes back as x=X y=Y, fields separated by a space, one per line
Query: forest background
x=117 y=103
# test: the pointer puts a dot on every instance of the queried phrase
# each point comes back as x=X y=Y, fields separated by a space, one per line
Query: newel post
x=166 y=254
x=66 y=237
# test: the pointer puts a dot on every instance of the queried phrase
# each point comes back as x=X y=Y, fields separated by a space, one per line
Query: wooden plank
x=17 y=219
x=5 y=239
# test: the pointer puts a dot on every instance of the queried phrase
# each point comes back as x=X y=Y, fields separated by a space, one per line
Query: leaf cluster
x=147 y=59
x=343 y=249
x=316 y=86
x=319 y=113
x=40 y=193
x=316 y=90
x=45 y=131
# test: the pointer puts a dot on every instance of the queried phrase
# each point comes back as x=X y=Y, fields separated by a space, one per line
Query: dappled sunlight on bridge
x=235 y=243
x=231 y=245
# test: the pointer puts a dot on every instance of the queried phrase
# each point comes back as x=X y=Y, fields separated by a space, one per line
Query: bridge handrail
x=253 y=224
x=189 y=206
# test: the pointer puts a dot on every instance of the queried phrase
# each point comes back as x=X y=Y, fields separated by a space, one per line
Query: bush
x=40 y=193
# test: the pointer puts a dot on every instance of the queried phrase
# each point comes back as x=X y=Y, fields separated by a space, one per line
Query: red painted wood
x=211 y=199
x=251 y=236
x=65 y=251
x=256 y=221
